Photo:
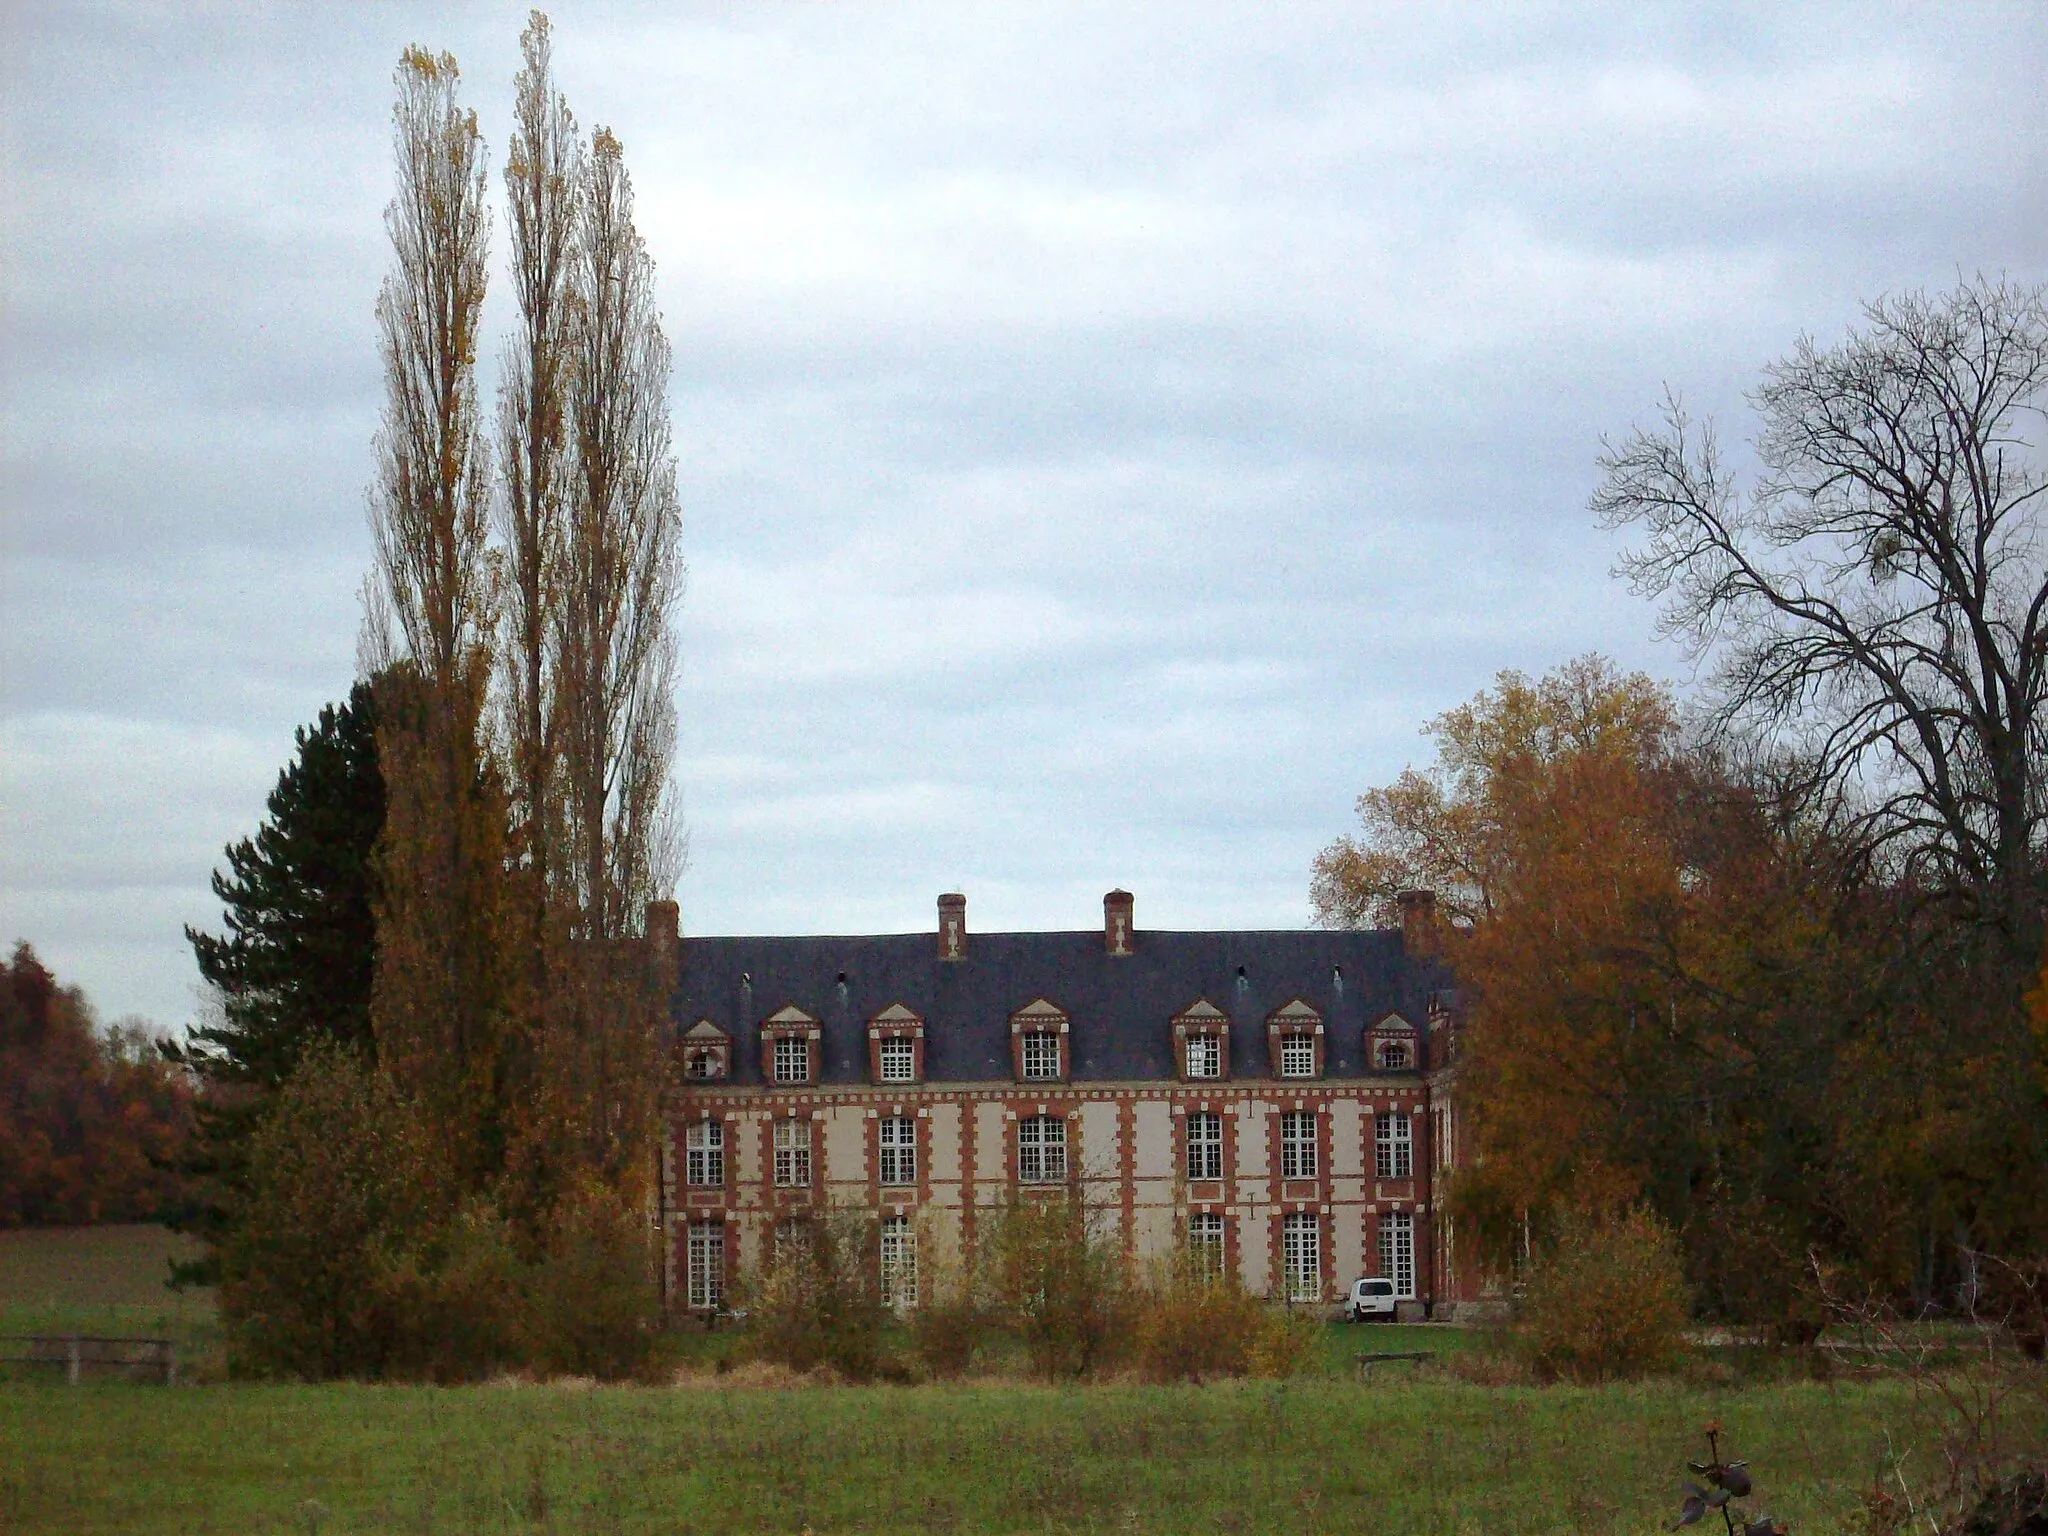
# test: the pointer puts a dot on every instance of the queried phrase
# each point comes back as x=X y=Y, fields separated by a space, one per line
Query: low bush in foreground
x=1607 y=1302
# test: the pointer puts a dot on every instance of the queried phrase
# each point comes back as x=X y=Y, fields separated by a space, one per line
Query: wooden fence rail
x=78 y=1353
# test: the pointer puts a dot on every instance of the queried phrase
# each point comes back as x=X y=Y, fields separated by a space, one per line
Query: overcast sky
x=1106 y=434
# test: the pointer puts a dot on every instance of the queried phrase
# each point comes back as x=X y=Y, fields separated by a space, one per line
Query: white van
x=1370 y=1300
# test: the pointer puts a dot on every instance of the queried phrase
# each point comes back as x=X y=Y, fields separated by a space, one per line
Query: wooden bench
x=1367 y=1361
x=78 y=1353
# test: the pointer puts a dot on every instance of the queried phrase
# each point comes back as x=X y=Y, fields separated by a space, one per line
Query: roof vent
x=1117 y=927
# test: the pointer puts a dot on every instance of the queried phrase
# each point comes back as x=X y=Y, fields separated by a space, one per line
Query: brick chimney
x=664 y=929
x=1118 y=929
x=1418 y=921
x=952 y=926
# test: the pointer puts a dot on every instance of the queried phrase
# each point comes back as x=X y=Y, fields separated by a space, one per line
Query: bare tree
x=622 y=567
x=429 y=511
x=438 y=993
x=1877 y=601
x=543 y=187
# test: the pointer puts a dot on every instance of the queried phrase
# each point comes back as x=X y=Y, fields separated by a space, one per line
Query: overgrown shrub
x=1608 y=1300
x=594 y=1307
x=340 y=1181
x=950 y=1321
x=1189 y=1326
x=1053 y=1275
x=818 y=1297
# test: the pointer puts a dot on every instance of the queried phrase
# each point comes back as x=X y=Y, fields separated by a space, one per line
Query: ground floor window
x=899 y=1262
x=1205 y=1245
x=1397 y=1252
x=706 y=1265
x=1302 y=1251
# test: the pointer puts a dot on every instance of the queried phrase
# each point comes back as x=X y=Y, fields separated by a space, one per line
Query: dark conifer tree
x=295 y=964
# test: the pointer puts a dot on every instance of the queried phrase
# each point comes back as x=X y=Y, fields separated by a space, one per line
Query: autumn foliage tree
x=91 y=1121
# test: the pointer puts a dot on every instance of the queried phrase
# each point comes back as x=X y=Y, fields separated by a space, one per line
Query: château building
x=1280 y=1101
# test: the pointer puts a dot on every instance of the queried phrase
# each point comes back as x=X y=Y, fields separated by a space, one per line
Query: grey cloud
x=1105 y=436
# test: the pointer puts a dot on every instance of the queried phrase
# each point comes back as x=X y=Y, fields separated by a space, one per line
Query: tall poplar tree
x=441 y=1000
x=615 y=654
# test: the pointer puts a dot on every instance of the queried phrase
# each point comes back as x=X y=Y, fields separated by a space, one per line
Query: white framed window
x=899 y=1262
x=1205 y=1144
x=792 y=1059
x=793 y=1154
x=1394 y=1146
x=705 y=1261
x=899 y=1061
x=1041 y=1149
x=898 y=1149
x=1393 y=1056
x=1301 y=1249
x=1205 y=1056
x=704 y=1153
x=1397 y=1252
x=1205 y=1244
x=705 y=1062
x=1298 y=1144
x=1443 y=1136
x=1297 y=1055
x=1041 y=1056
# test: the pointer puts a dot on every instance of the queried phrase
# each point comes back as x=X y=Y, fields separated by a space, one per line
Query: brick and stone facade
x=1275 y=1095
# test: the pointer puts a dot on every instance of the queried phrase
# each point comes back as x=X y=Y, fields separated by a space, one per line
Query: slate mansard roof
x=1121 y=1007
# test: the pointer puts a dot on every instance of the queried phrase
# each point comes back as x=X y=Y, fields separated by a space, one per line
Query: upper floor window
x=1205 y=1056
x=1297 y=1055
x=704 y=1154
x=1393 y=1057
x=1394 y=1146
x=793 y=1154
x=1297 y=1144
x=1205 y=1145
x=1041 y=1149
x=703 y=1063
x=1041 y=1056
x=792 y=1059
x=899 y=1061
x=1205 y=1245
x=898 y=1149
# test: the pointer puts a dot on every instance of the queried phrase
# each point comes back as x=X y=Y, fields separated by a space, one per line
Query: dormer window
x=792 y=1061
x=706 y=1052
x=1294 y=1040
x=1041 y=1057
x=1039 y=1035
x=1201 y=1038
x=896 y=1046
x=1390 y=1045
x=789 y=1047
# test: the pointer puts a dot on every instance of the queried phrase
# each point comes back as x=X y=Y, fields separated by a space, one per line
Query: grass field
x=1404 y=1452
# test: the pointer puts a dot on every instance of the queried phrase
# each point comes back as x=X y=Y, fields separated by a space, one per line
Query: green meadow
x=1407 y=1448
